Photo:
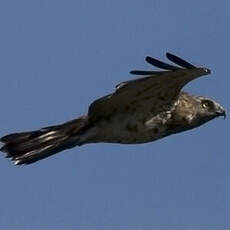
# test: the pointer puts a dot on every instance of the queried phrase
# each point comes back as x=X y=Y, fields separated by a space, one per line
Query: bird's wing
x=153 y=93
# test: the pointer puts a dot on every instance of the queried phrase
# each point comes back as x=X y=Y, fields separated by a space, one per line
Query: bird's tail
x=28 y=147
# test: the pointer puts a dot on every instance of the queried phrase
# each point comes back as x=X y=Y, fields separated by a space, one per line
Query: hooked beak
x=221 y=112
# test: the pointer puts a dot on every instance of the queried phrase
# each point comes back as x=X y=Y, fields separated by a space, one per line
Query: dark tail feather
x=29 y=147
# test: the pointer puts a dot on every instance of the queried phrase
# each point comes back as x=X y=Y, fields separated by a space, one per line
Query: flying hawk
x=139 y=111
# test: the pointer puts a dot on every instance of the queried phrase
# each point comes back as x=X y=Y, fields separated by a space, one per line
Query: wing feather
x=179 y=61
x=160 y=64
x=145 y=72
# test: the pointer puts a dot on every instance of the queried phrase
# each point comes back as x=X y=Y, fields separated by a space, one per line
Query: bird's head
x=208 y=108
x=193 y=111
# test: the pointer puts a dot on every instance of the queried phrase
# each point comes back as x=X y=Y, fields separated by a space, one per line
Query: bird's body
x=139 y=111
x=135 y=127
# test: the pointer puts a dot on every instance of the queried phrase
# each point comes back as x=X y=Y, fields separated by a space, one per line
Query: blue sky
x=56 y=57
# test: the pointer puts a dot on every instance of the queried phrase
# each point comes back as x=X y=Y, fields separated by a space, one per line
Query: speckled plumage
x=139 y=111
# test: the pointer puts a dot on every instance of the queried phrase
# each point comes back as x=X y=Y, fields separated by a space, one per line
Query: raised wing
x=151 y=94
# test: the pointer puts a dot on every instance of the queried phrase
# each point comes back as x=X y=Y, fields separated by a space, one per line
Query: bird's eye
x=207 y=104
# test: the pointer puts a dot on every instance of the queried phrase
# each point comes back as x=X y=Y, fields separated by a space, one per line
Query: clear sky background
x=56 y=57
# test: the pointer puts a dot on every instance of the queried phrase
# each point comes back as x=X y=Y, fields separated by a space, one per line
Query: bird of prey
x=139 y=111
